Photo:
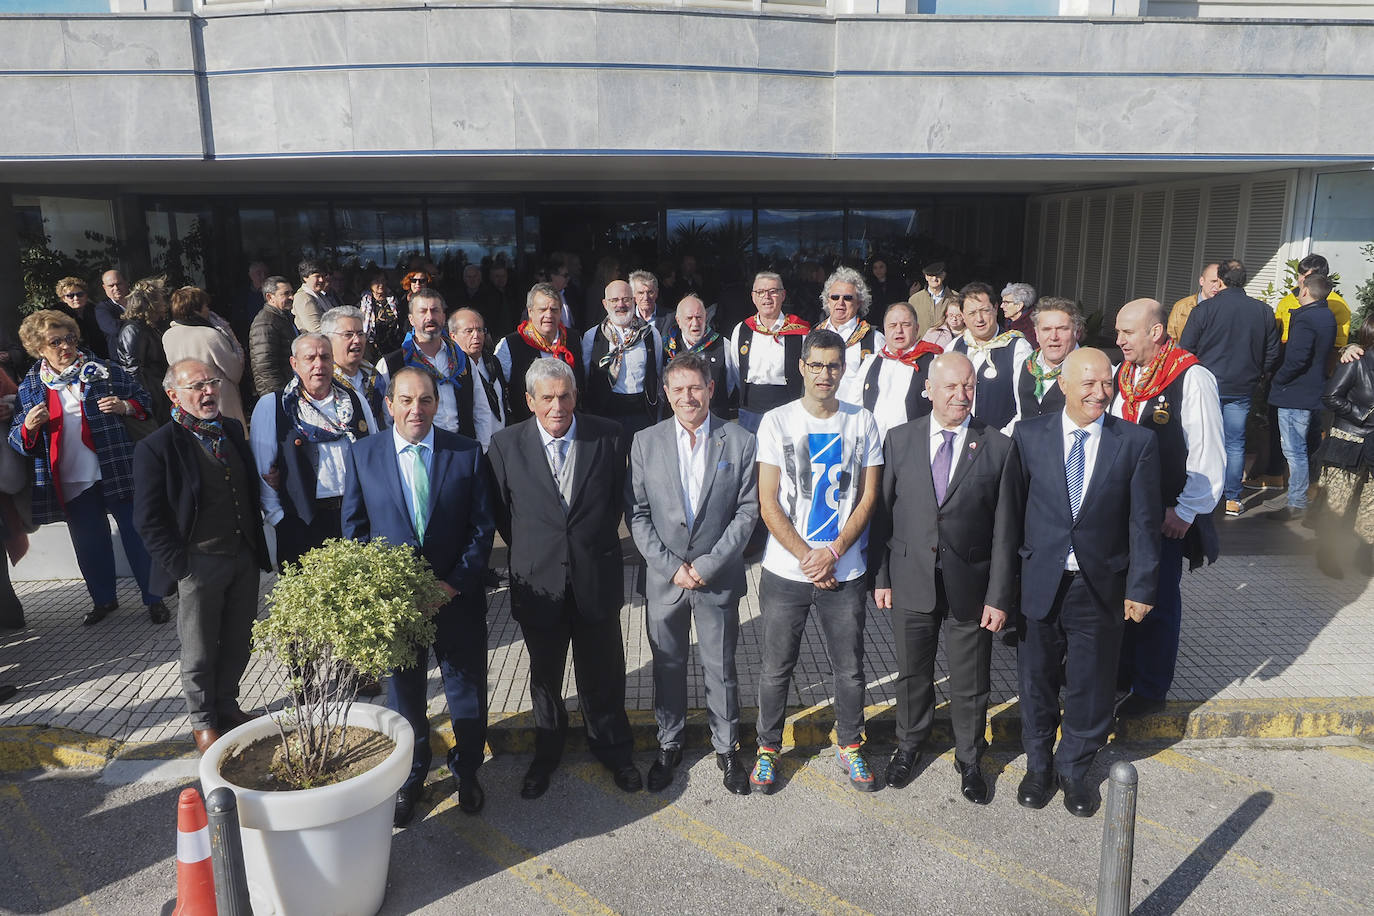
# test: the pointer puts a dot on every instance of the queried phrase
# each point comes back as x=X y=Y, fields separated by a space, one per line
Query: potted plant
x=316 y=781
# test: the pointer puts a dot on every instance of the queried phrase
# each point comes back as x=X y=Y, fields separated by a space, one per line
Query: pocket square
x=722 y=465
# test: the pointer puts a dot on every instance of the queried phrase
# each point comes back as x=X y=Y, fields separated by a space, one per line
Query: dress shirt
x=569 y=437
x=1200 y=414
x=1021 y=352
x=960 y=434
x=1090 y=444
x=447 y=416
x=567 y=316
x=766 y=353
x=634 y=362
x=895 y=379
x=503 y=359
x=691 y=460
x=406 y=464
x=484 y=422
x=329 y=474
x=1016 y=385
x=851 y=385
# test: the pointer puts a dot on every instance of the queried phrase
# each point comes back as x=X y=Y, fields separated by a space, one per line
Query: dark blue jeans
x=1234 y=413
x=89 y=530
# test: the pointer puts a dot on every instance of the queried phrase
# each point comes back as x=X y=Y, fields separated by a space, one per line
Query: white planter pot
x=318 y=851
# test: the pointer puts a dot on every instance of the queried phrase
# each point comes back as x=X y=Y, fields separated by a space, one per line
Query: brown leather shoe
x=204 y=738
x=234 y=718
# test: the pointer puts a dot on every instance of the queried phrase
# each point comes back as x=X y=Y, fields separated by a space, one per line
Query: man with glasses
x=343 y=326
x=196 y=508
x=820 y=464
x=845 y=301
x=995 y=356
x=485 y=401
x=765 y=353
x=76 y=303
x=623 y=358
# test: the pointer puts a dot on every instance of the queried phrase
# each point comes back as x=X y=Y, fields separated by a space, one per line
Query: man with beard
x=344 y=328
x=1058 y=322
x=540 y=336
x=692 y=333
x=622 y=357
x=995 y=355
x=894 y=379
x=429 y=347
x=845 y=300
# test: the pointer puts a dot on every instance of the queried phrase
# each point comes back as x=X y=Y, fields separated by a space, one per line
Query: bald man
x=1090 y=562
x=623 y=356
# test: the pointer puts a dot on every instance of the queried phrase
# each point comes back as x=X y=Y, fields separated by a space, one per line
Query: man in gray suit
x=692 y=502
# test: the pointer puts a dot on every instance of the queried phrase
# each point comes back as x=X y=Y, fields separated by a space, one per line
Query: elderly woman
x=382 y=318
x=952 y=325
x=68 y=422
x=138 y=346
x=1018 y=302
x=77 y=304
x=198 y=333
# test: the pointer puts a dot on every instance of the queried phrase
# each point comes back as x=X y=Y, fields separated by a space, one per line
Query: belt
x=329 y=503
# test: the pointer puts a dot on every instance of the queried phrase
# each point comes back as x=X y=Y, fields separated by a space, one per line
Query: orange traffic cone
x=195 y=873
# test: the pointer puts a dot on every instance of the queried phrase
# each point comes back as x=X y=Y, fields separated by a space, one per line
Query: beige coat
x=307 y=308
x=928 y=314
x=216 y=347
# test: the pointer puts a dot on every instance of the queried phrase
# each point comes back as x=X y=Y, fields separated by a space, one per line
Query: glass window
x=468 y=235
x=383 y=235
x=177 y=241
x=788 y=237
x=707 y=248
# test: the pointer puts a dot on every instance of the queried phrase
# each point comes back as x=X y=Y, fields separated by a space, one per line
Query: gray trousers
x=218 y=603
x=669 y=627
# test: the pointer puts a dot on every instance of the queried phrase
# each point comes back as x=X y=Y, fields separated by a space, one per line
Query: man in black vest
x=196 y=508
x=344 y=328
x=304 y=434
x=893 y=380
x=693 y=334
x=1164 y=388
x=542 y=335
x=1058 y=323
x=765 y=353
x=485 y=400
x=622 y=356
x=429 y=347
x=995 y=355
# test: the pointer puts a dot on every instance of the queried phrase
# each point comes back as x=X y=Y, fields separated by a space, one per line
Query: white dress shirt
x=406 y=464
x=633 y=363
x=766 y=354
x=1090 y=445
x=960 y=434
x=484 y=422
x=503 y=359
x=447 y=416
x=1016 y=386
x=895 y=379
x=77 y=464
x=851 y=383
x=691 y=461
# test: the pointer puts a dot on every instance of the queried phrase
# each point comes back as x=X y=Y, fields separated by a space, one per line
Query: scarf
x=1001 y=340
x=1138 y=384
x=675 y=343
x=376 y=311
x=791 y=326
x=862 y=328
x=209 y=432
x=369 y=372
x=1042 y=376
x=83 y=369
x=313 y=424
x=614 y=359
x=557 y=347
x=910 y=356
x=415 y=357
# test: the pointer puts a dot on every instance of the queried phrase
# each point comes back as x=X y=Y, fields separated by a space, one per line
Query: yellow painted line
x=876 y=807
x=798 y=888
x=1352 y=752
x=28 y=747
x=523 y=864
x=47 y=871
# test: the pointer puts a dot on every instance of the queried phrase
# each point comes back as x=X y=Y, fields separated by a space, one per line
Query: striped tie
x=1073 y=471
x=419 y=490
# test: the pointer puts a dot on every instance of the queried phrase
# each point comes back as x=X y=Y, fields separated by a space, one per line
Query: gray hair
x=548 y=369
x=688 y=362
x=643 y=276
x=1067 y=306
x=769 y=275
x=545 y=290
x=169 y=378
x=854 y=278
x=1023 y=293
x=310 y=335
x=329 y=321
x=910 y=310
x=269 y=286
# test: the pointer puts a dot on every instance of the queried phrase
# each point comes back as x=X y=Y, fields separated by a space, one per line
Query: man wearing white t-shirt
x=820 y=464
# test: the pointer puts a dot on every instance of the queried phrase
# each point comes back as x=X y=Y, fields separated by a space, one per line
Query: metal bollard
x=1118 y=842
x=226 y=854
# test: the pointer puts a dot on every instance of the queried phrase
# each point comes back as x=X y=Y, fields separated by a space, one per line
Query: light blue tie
x=1073 y=471
x=419 y=490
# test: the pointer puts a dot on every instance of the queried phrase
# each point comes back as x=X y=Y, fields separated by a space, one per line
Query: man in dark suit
x=1090 y=561
x=196 y=507
x=559 y=483
x=952 y=468
x=427 y=487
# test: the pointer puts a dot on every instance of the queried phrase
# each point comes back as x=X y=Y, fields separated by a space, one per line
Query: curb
x=34 y=747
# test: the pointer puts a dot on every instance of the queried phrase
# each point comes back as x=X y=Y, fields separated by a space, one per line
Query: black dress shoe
x=99 y=613
x=736 y=773
x=661 y=770
x=1079 y=799
x=1035 y=790
x=971 y=783
x=901 y=768
x=158 y=613
x=7 y=692
x=405 y=805
x=1135 y=706
x=471 y=798
x=536 y=782
x=12 y=617
x=627 y=778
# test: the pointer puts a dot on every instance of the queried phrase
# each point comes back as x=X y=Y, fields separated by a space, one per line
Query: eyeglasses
x=201 y=385
x=836 y=297
x=473 y=331
x=79 y=294
x=768 y=293
x=830 y=368
x=347 y=335
x=59 y=342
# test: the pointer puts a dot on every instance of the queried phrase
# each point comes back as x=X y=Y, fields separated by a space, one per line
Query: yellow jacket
x=1178 y=315
x=1333 y=302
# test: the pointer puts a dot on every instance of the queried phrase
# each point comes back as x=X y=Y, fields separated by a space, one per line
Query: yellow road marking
x=525 y=865
x=50 y=876
x=1352 y=752
x=28 y=747
x=878 y=808
x=753 y=863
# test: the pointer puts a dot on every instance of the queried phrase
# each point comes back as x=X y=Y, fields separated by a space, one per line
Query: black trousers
x=295 y=537
x=599 y=668
x=968 y=648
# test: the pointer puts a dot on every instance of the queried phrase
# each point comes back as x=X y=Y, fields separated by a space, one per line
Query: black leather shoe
x=158 y=613
x=901 y=768
x=971 y=783
x=661 y=770
x=12 y=617
x=1079 y=799
x=536 y=782
x=405 y=805
x=736 y=773
x=471 y=798
x=99 y=613
x=627 y=778
x=1135 y=706
x=1035 y=790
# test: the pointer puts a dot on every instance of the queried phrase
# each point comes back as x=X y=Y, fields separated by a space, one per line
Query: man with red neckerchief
x=893 y=379
x=541 y=336
x=764 y=357
x=1164 y=388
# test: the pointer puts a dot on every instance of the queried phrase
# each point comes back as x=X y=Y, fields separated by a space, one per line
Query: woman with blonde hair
x=198 y=333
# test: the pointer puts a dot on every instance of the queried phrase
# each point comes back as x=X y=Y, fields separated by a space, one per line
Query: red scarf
x=910 y=356
x=558 y=348
x=791 y=325
x=1138 y=386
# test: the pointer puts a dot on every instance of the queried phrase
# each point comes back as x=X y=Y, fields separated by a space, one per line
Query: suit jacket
x=725 y=518
x=167 y=492
x=550 y=550
x=976 y=530
x=1116 y=536
x=458 y=534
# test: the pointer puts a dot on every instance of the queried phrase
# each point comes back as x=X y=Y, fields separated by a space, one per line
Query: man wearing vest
x=305 y=433
x=1058 y=322
x=845 y=300
x=622 y=356
x=1164 y=388
x=894 y=379
x=764 y=356
x=694 y=334
x=485 y=400
x=995 y=356
x=929 y=303
x=543 y=335
x=344 y=328
x=429 y=347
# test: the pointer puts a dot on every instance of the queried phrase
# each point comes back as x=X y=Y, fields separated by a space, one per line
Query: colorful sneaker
x=1234 y=508
x=853 y=763
x=764 y=774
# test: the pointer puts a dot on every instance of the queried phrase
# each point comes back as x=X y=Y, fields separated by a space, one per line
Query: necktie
x=558 y=454
x=939 y=467
x=492 y=399
x=1073 y=471
x=419 y=490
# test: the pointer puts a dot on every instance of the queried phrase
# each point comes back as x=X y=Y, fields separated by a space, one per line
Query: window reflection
x=384 y=235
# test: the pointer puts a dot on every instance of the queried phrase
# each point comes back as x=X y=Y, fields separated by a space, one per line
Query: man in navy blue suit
x=427 y=487
x=1090 y=562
